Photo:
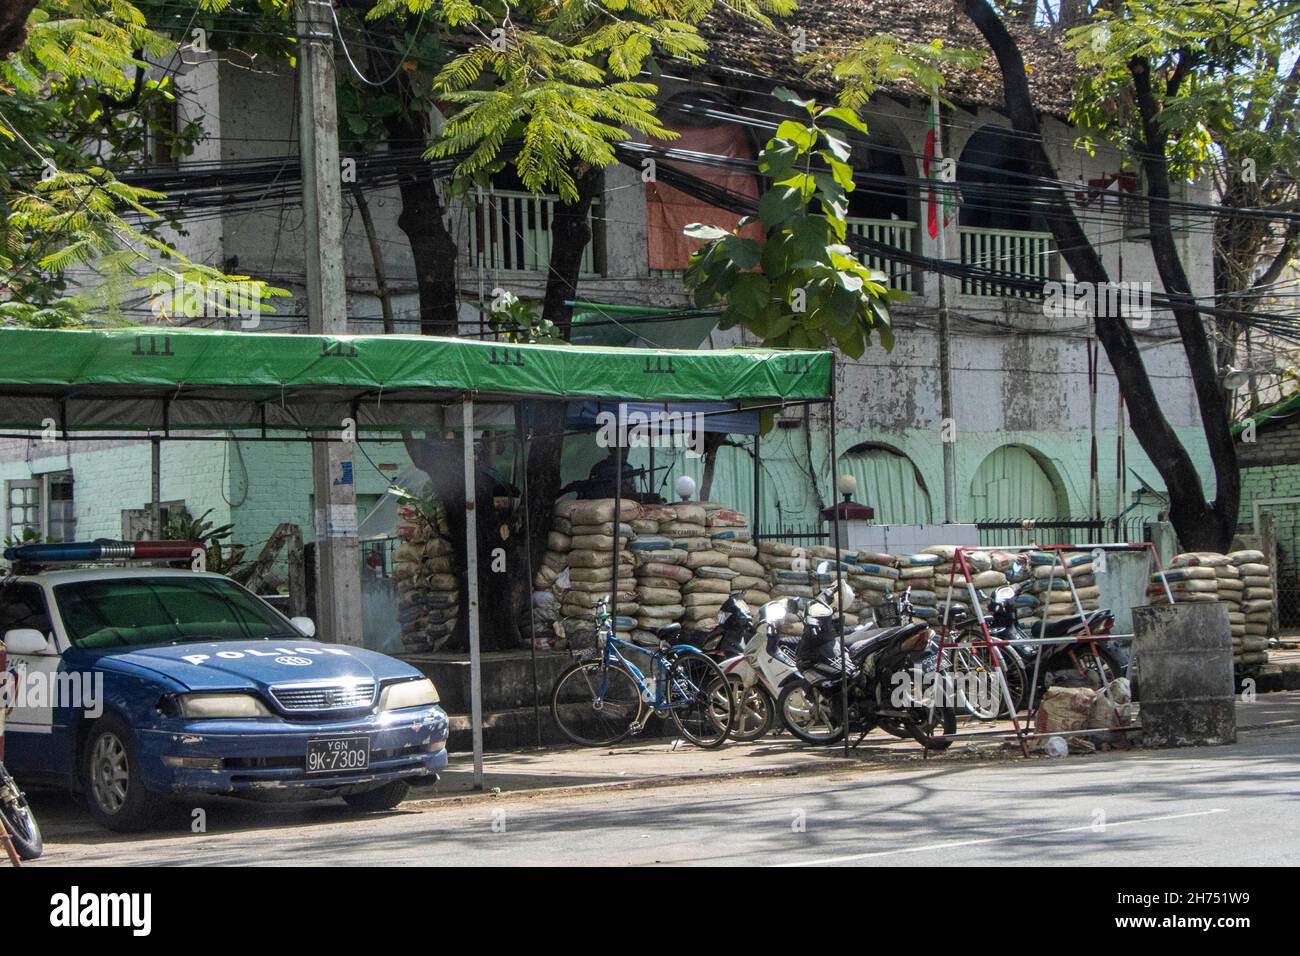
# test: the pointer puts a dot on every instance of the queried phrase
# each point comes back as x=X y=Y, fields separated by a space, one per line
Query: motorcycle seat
x=1067 y=625
x=865 y=645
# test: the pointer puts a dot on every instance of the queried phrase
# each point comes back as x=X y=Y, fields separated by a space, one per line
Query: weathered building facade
x=1033 y=396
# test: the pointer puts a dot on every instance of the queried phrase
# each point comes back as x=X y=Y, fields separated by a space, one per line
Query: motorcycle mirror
x=1004 y=594
x=823 y=568
x=774 y=612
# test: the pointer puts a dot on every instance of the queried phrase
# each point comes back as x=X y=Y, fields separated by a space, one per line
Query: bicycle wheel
x=594 y=705
x=700 y=700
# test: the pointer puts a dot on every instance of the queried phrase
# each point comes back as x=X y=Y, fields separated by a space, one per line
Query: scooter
x=764 y=666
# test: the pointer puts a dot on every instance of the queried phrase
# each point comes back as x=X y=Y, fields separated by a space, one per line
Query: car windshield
x=145 y=611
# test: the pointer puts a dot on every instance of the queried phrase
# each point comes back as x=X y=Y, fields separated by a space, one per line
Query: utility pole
x=338 y=578
x=948 y=432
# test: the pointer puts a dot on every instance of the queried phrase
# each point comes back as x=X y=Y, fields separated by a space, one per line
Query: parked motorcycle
x=15 y=814
x=1071 y=664
x=890 y=672
x=761 y=669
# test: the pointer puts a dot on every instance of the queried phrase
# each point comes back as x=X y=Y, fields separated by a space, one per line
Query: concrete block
x=1184 y=653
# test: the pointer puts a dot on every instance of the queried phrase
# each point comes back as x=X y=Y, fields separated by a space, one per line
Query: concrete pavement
x=623 y=792
x=1198 y=806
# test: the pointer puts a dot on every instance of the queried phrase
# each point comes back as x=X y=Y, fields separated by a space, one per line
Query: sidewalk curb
x=827 y=766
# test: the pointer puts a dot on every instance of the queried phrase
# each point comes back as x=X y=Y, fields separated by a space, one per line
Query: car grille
x=318 y=697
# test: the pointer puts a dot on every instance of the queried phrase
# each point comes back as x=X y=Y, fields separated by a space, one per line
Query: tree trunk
x=712 y=442
x=1211 y=531
x=1198 y=523
x=570 y=234
x=13 y=25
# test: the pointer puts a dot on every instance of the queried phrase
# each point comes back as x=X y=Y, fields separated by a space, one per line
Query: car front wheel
x=110 y=777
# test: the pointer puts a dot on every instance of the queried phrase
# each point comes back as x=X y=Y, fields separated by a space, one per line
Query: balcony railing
x=1004 y=252
x=511 y=232
x=891 y=232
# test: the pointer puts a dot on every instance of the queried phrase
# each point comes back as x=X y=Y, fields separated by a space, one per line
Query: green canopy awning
x=186 y=379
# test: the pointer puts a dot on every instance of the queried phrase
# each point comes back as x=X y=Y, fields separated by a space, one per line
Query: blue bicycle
x=603 y=697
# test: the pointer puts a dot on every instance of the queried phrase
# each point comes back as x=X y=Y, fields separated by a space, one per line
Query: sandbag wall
x=1241 y=579
x=428 y=585
x=678 y=563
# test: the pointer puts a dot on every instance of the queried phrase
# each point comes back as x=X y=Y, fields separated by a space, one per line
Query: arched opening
x=890 y=483
x=881 y=206
x=1014 y=483
x=1002 y=228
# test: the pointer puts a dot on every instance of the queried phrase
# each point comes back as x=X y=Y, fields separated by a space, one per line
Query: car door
x=23 y=604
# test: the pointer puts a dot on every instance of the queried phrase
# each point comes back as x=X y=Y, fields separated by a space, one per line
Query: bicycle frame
x=662 y=660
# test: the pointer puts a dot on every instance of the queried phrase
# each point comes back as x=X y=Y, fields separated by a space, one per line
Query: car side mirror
x=25 y=640
x=305 y=625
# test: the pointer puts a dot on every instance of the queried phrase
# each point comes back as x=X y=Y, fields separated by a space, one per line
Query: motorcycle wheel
x=813 y=717
x=922 y=726
x=17 y=819
x=755 y=710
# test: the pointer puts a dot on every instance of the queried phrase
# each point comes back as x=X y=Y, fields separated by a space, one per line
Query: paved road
x=1203 y=806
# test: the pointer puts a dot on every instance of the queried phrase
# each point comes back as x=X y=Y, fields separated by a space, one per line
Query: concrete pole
x=471 y=587
x=945 y=347
x=338 y=587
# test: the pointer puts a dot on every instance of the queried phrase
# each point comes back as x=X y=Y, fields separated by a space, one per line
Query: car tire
x=381 y=798
x=110 y=777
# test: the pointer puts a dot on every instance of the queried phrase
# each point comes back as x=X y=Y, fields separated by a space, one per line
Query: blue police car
x=138 y=684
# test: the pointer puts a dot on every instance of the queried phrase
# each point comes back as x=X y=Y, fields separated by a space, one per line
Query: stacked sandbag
x=594 y=533
x=1058 y=578
x=917 y=571
x=660 y=573
x=707 y=590
x=980 y=572
x=1256 y=605
x=874 y=577
x=729 y=535
x=1232 y=593
x=428 y=587
x=789 y=574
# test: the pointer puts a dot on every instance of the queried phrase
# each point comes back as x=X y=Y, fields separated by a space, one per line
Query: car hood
x=241 y=665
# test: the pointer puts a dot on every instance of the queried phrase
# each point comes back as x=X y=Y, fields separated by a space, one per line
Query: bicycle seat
x=669 y=633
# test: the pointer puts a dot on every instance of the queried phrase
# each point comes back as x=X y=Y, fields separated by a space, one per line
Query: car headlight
x=408 y=693
x=213 y=706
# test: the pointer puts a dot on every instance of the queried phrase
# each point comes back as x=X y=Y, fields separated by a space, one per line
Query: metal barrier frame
x=959 y=565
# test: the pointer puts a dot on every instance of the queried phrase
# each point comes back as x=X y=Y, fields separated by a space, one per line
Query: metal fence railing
x=1022 y=532
x=1006 y=252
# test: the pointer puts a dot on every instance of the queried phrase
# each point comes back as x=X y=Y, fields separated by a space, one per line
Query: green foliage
x=558 y=77
x=1231 y=99
x=800 y=286
x=222 y=557
x=521 y=321
x=78 y=109
x=880 y=59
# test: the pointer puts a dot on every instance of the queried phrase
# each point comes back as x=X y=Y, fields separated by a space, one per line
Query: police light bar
x=103 y=551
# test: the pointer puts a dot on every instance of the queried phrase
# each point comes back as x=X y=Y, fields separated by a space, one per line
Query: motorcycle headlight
x=408 y=693
x=216 y=706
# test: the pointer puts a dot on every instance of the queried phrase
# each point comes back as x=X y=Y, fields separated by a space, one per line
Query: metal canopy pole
x=471 y=580
x=839 y=573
